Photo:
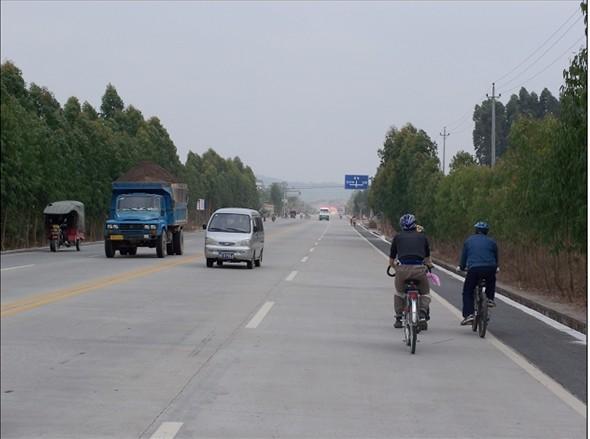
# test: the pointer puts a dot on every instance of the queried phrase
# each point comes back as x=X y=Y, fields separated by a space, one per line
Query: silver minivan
x=234 y=235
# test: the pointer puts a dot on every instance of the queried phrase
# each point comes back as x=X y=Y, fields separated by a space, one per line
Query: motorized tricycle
x=64 y=224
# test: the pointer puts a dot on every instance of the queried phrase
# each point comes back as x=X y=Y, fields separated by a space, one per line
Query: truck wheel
x=53 y=245
x=170 y=248
x=108 y=249
x=132 y=251
x=77 y=245
x=123 y=252
x=210 y=262
x=178 y=241
x=161 y=245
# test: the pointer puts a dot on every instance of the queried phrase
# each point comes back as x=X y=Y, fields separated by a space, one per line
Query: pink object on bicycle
x=433 y=278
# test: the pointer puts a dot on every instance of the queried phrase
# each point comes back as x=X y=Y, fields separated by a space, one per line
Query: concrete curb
x=46 y=247
x=558 y=316
x=40 y=249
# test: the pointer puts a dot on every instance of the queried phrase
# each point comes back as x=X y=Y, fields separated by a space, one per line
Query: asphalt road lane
x=171 y=350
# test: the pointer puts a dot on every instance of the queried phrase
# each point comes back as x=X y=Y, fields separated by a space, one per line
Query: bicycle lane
x=556 y=353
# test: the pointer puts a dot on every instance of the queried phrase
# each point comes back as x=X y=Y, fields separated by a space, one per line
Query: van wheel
x=210 y=262
x=258 y=261
x=250 y=264
x=219 y=263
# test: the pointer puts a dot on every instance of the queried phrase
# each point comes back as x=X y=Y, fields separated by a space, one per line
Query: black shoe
x=467 y=320
x=491 y=303
x=398 y=323
x=423 y=322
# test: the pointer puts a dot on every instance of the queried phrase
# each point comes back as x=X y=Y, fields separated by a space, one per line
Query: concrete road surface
x=140 y=347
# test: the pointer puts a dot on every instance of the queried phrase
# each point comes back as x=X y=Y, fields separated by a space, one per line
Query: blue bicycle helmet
x=408 y=222
x=481 y=227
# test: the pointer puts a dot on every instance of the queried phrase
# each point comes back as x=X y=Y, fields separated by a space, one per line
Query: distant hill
x=328 y=193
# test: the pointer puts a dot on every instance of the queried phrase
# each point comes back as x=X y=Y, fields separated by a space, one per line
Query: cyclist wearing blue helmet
x=412 y=251
x=480 y=258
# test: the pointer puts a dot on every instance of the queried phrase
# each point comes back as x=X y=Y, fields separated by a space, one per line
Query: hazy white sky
x=298 y=90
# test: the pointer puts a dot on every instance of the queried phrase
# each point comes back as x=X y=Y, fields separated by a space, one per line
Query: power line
x=543 y=54
x=459 y=119
x=577 y=11
x=543 y=70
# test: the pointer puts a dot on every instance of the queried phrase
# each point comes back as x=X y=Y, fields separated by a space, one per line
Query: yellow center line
x=29 y=303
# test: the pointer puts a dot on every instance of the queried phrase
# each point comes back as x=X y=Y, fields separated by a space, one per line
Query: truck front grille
x=131 y=227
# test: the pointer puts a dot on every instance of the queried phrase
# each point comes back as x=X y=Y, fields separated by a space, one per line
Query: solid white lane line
x=17 y=267
x=580 y=337
x=548 y=382
x=291 y=276
x=305 y=258
x=261 y=314
x=167 y=430
x=548 y=321
x=312 y=249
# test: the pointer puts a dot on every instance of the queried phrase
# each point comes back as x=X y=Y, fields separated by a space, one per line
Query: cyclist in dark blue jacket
x=480 y=258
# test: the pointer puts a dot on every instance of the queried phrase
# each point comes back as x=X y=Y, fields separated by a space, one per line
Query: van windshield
x=230 y=222
x=138 y=202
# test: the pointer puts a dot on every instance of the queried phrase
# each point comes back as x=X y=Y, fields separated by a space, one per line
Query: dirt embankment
x=147 y=171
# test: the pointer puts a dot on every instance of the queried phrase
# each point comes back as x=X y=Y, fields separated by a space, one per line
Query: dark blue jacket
x=479 y=251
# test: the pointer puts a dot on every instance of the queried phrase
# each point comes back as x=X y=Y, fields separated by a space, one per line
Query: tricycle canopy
x=70 y=209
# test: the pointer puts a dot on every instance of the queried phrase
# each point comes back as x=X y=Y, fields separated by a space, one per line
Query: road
x=140 y=347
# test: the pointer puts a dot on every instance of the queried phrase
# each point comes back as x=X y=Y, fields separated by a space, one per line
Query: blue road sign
x=356 y=182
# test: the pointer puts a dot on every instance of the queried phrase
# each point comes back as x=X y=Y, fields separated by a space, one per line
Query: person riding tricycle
x=64 y=224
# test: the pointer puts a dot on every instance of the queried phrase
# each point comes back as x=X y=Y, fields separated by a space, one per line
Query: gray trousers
x=402 y=274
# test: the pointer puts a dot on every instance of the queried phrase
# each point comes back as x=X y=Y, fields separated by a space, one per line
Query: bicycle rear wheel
x=475 y=313
x=414 y=338
x=483 y=317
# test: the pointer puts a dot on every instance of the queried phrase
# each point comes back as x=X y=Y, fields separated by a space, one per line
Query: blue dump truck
x=146 y=214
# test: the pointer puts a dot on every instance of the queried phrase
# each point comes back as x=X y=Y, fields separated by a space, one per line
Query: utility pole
x=493 y=98
x=444 y=135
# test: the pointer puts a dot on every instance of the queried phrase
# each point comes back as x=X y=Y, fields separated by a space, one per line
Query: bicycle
x=410 y=317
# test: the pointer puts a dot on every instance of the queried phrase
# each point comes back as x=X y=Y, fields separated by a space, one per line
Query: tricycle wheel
x=53 y=245
x=108 y=249
x=77 y=245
